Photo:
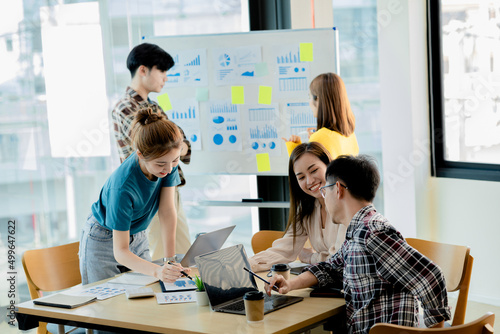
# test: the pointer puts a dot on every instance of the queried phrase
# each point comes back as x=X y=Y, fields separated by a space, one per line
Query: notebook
x=205 y=243
x=226 y=282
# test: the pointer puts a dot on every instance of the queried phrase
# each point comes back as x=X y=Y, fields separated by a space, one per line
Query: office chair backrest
x=263 y=240
x=51 y=269
x=483 y=325
x=456 y=263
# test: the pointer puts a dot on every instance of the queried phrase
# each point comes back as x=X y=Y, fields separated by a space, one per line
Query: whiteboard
x=214 y=72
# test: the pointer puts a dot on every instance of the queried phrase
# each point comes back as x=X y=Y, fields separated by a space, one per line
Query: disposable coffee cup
x=282 y=269
x=254 y=306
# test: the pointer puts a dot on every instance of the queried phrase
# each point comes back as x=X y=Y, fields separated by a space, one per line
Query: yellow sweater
x=333 y=141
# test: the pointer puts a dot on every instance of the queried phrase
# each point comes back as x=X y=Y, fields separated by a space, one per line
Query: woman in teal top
x=114 y=234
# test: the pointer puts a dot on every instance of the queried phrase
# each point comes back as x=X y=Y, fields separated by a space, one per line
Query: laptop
x=205 y=243
x=226 y=282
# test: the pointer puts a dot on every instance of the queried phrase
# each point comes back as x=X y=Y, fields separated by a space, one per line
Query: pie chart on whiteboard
x=218 y=139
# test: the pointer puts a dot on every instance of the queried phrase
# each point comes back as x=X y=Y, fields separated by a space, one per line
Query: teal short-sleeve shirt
x=129 y=200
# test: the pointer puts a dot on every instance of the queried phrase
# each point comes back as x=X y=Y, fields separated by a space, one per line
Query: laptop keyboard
x=236 y=306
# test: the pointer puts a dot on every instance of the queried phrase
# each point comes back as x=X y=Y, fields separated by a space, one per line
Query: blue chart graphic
x=193 y=138
x=267 y=132
x=232 y=139
x=190 y=114
x=232 y=127
x=218 y=119
x=176 y=59
x=301 y=114
x=218 y=139
x=261 y=114
x=225 y=60
x=224 y=72
x=293 y=84
x=247 y=74
x=223 y=108
x=255 y=145
x=173 y=77
x=194 y=62
x=289 y=58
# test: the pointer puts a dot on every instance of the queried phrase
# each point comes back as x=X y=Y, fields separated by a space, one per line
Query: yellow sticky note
x=263 y=164
x=306 y=52
x=265 y=94
x=237 y=95
x=164 y=102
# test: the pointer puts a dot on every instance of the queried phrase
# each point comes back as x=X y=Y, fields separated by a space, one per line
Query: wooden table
x=120 y=314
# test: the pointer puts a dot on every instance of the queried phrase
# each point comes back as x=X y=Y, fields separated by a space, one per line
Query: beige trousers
x=182 y=241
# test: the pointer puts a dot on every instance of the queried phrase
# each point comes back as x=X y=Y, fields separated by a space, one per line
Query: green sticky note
x=164 y=102
x=201 y=94
x=261 y=70
x=306 y=52
x=263 y=164
x=237 y=95
x=265 y=94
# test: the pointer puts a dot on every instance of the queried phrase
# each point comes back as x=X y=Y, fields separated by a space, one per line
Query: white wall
x=446 y=210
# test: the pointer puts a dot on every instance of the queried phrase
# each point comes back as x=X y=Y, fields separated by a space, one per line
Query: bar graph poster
x=185 y=113
x=301 y=118
x=292 y=76
x=224 y=126
x=263 y=129
x=235 y=65
x=190 y=68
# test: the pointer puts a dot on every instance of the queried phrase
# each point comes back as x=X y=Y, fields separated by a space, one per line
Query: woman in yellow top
x=335 y=127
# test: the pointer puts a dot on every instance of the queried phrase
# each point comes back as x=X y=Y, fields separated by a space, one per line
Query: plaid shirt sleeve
x=123 y=116
x=330 y=272
x=403 y=266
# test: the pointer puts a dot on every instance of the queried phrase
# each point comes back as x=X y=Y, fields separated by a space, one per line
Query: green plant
x=199 y=283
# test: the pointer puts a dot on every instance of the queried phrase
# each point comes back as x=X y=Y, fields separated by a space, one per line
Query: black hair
x=359 y=174
x=149 y=55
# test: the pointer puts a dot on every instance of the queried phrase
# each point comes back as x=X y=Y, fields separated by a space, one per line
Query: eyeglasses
x=322 y=190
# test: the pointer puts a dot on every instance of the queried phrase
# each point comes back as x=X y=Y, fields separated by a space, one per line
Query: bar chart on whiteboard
x=263 y=126
x=301 y=118
x=224 y=126
x=185 y=113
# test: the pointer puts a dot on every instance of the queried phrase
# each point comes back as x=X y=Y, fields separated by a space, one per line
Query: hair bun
x=148 y=115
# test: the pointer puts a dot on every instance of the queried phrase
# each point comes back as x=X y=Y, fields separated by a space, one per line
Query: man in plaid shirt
x=381 y=275
x=148 y=65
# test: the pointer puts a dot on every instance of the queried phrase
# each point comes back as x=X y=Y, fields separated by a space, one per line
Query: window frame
x=440 y=167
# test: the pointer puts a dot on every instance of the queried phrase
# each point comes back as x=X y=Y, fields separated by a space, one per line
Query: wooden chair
x=52 y=269
x=262 y=240
x=456 y=263
x=483 y=325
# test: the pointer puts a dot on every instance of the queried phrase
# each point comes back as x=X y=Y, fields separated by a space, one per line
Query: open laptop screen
x=223 y=275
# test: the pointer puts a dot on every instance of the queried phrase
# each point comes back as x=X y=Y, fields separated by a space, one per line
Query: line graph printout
x=293 y=75
x=236 y=65
x=301 y=118
x=190 y=68
x=224 y=128
x=185 y=113
x=263 y=129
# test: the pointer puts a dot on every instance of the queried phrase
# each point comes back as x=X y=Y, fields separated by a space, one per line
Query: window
x=464 y=80
x=47 y=194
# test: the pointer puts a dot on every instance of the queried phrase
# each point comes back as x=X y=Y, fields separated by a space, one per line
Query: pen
x=182 y=271
x=251 y=272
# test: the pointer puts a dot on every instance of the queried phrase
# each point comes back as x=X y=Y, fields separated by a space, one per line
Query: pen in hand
x=275 y=288
x=182 y=271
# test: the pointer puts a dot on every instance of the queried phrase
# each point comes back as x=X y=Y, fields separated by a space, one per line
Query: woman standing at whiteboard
x=115 y=231
x=308 y=217
x=335 y=121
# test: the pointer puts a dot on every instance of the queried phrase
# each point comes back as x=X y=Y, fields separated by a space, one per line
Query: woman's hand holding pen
x=280 y=282
x=170 y=272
